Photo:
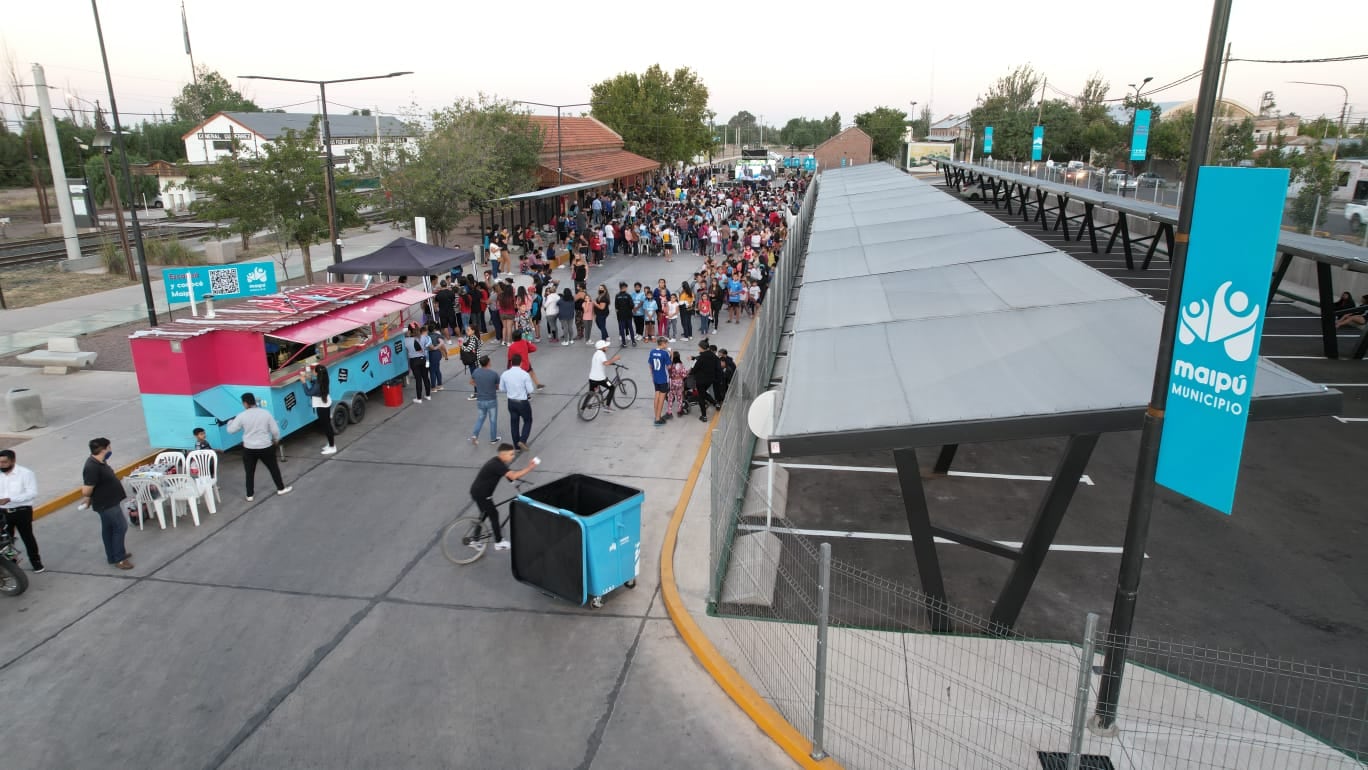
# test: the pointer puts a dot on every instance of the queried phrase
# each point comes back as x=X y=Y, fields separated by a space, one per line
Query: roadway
x=325 y=629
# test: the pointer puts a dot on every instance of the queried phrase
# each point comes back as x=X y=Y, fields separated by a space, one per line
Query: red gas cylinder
x=393 y=394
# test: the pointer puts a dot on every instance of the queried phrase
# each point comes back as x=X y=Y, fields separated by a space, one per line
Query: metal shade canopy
x=945 y=326
x=405 y=256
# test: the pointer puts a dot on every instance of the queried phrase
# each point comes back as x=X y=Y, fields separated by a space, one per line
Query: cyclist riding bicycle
x=598 y=373
x=487 y=480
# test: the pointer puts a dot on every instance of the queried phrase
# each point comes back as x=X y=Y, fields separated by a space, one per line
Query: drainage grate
x=1059 y=760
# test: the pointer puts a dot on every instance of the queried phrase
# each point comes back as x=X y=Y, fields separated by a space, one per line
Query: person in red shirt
x=525 y=349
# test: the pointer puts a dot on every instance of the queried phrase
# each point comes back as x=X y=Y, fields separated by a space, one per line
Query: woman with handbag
x=315 y=381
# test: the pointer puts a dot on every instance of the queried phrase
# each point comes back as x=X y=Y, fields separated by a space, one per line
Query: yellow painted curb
x=75 y=494
x=765 y=716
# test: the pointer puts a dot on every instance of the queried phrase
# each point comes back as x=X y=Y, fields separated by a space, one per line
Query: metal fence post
x=823 y=610
x=1080 y=715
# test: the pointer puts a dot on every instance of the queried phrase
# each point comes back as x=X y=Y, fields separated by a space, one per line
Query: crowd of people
x=521 y=301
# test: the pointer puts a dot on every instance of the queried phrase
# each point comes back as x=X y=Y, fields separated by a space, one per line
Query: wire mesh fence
x=885 y=692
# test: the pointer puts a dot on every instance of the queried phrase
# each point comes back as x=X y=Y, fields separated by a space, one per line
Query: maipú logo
x=257 y=275
x=1227 y=320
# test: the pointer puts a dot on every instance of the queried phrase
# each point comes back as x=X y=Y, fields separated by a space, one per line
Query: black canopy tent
x=405 y=256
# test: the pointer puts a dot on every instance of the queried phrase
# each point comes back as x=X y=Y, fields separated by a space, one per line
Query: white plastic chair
x=202 y=465
x=178 y=487
x=146 y=491
x=174 y=460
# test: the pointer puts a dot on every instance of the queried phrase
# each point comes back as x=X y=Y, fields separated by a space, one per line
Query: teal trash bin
x=578 y=538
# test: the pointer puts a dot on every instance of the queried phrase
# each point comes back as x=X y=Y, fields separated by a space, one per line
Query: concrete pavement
x=325 y=629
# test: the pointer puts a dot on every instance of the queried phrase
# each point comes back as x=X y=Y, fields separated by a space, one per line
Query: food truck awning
x=219 y=402
x=363 y=313
x=316 y=329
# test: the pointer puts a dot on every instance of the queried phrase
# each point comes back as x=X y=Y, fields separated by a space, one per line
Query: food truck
x=193 y=371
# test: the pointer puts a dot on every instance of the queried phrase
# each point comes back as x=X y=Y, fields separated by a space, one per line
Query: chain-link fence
x=847 y=656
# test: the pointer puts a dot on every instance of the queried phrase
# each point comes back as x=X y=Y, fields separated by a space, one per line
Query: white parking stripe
x=1352 y=419
x=967 y=474
x=908 y=538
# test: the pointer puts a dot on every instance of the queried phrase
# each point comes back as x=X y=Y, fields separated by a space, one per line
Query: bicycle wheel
x=625 y=395
x=466 y=539
x=13 y=579
x=589 y=406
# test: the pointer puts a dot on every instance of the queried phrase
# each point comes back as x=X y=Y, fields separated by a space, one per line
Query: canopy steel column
x=1329 y=335
x=1036 y=545
x=923 y=539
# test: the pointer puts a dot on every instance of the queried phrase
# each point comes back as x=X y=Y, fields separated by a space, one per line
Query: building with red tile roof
x=589 y=151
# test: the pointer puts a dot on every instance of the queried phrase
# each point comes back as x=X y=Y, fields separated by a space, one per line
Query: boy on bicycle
x=487 y=480
x=598 y=373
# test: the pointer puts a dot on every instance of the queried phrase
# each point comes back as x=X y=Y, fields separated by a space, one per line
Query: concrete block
x=755 y=503
x=95 y=262
x=25 y=409
x=753 y=570
x=221 y=252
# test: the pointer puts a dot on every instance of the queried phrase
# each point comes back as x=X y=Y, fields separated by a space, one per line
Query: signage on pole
x=1215 y=355
x=248 y=279
x=987 y=139
x=1037 y=142
x=809 y=163
x=1140 y=136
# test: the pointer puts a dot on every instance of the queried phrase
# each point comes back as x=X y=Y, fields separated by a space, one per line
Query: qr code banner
x=224 y=281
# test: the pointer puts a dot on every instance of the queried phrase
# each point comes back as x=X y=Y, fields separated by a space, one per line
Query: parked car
x=1078 y=174
x=1356 y=212
x=1150 y=179
x=1119 y=179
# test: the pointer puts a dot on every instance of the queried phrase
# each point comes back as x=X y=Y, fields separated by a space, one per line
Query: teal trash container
x=578 y=538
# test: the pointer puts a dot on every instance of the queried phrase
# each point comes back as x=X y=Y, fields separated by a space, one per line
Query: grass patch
x=169 y=251
x=30 y=286
x=112 y=255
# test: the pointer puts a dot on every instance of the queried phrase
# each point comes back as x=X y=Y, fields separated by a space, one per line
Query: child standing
x=674 y=404
x=704 y=312
x=651 y=309
x=671 y=317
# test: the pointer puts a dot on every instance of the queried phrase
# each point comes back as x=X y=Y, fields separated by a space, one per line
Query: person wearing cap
x=598 y=372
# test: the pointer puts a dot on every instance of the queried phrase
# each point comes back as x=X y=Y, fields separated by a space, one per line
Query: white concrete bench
x=62 y=355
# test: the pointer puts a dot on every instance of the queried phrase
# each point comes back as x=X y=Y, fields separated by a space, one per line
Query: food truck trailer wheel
x=339 y=418
x=357 y=413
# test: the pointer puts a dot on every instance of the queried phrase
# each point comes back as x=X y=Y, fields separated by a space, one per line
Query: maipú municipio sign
x=247 y=279
x=1220 y=323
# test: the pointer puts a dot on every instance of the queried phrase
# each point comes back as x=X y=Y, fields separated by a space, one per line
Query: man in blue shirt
x=659 y=363
x=734 y=299
x=517 y=383
x=638 y=310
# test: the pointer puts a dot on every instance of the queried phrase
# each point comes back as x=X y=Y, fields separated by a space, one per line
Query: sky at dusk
x=779 y=61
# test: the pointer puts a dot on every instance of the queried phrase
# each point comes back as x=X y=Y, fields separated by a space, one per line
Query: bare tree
x=1094 y=91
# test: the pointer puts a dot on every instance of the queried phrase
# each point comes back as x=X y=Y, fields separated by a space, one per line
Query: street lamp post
x=327 y=143
x=1344 y=112
x=128 y=174
x=1135 y=107
x=560 y=159
x=912 y=133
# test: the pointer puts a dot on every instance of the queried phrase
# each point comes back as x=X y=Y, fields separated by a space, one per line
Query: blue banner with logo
x=987 y=139
x=1140 y=136
x=248 y=279
x=809 y=163
x=1037 y=143
x=1216 y=350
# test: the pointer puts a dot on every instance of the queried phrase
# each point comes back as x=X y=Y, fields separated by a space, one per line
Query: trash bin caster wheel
x=596 y=602
x=630 y=584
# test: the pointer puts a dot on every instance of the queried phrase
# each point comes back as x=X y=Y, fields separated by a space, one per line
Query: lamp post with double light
x=327 y=142
x=1135 y=108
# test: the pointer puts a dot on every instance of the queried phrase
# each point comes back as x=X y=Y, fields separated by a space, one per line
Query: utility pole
x=59 y=182
x=1214 y=146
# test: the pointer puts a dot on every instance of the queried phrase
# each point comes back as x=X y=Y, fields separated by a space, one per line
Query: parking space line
x=874 y=469
x=1304 y=358
x=1352 y=419
x=851 y=535
x=1344 y=384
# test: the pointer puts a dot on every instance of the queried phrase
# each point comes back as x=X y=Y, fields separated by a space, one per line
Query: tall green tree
x=210 y=93
x=808 y=132
x=296 y=191
x=1316 y=172
x=661 y=115
x=1171 y=138
x=476 y=152
x=885 y=126
x=144 y=187
x=235 y=195
x=1234 y=142
x=1009 y=107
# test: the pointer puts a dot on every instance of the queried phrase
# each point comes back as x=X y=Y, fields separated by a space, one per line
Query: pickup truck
x=1356 y=212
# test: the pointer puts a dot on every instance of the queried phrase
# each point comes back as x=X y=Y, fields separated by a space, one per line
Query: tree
x=1171 y=139
x=921 y=126
x=1235 y=142
x=295 y=190
x=143 y=186
x=1316 y=172
x=743 y=120
x=476 y=152
x=211 y=93
x=1009 y=108
x=1320 y=128
x=663 y=116
x=233 y=191
x=885 y=126
x=808 y=132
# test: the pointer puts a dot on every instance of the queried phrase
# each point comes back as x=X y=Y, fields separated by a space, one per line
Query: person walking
x=315 y=381
x=487 y=480
x=470 y=354
x=102 y=491
x=659 y=364
x=260 y=432
x=551 y=312
x=705 y=377
x=523 y=349
x=416 y=345
x=486 y=383
x=18 y=493
x=518 y=386
x=436 y=354
x=600 y=305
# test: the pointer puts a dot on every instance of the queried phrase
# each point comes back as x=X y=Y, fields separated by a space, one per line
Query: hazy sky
x=778 y=60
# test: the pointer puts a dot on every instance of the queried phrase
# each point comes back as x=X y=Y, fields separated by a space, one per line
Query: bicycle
x=467 y=538
x=624 y=395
